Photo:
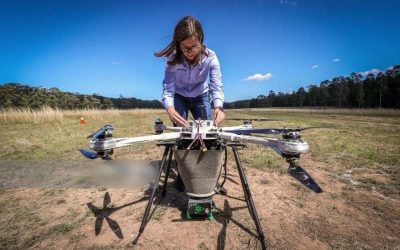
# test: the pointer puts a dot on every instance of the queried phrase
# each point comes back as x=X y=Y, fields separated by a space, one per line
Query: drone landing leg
x=168 y=149
x=247 y=194
x=167 y=173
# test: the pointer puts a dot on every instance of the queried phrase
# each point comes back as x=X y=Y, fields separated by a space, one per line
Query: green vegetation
x=159 y=212
x=362 y=142
x=15 y=95
x=61 y=228
x=360 y=158
x=368 y=139
x=61 y=140
x=50 y=192
x=354 y=91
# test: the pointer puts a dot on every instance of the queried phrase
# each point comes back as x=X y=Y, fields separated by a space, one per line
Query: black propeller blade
x=89 y=154
x=254 y=119
x=304 y=178
x=313 y=127
x=255 y=131
x=271 y=130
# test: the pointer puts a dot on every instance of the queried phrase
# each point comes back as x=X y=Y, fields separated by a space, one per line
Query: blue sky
x=106 y=47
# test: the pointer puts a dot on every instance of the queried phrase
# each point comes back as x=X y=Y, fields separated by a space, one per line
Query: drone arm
x=279 y=145
x=240 y=127
x=267 y=142
x=171 y=128
x=254 y=131
x=147 y=138
x=101 y=145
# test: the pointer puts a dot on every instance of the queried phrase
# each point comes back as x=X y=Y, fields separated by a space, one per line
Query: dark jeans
x=199 y=106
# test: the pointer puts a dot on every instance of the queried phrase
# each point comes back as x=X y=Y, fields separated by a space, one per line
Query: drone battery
x=200 y=208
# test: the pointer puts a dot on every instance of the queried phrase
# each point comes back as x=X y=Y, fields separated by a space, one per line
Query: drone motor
x=102 y=142
x=159 y=126
x=291 y=135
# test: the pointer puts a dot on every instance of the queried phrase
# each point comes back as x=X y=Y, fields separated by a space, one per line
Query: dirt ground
x=344 y=216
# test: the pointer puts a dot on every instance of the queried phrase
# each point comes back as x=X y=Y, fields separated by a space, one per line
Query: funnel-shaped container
x=199 y=170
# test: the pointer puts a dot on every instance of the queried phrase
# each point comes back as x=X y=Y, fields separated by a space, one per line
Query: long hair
x=185 y=28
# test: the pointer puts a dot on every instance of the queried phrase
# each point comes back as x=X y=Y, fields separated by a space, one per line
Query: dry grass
x=47 y=115
x=26 y=115
x=23 y=138
x=92 y=113
x=114 y=113
x=332 y=111
x=364 y=148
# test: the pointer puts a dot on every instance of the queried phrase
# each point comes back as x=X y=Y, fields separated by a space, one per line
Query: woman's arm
x=168 y=97
x=216 y=87
x=168 y=87
x=217 y=91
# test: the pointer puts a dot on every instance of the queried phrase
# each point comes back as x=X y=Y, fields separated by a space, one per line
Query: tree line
x=15 y=95
x=355 y=91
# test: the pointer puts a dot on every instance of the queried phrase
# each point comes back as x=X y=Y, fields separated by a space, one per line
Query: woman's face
x=190 y=47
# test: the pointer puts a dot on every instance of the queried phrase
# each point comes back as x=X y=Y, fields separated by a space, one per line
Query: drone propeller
x=304 y=178
x=103 y=132
x=255 y=131
x=254 y=119
x=300 y=174
x=271 y=130
x=105 y=155
x=89 y=154
x=313 y=127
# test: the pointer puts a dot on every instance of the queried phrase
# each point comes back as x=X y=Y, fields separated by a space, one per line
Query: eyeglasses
x=189 y=49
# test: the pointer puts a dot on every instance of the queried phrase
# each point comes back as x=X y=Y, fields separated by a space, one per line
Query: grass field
x=357 y=164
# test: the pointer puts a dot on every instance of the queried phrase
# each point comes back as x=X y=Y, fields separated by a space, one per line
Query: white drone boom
x=204 y=130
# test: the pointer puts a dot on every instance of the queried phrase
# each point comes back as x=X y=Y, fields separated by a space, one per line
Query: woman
x=189 y=65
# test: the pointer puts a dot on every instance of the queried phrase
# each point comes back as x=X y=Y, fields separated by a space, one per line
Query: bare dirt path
x=344 y=216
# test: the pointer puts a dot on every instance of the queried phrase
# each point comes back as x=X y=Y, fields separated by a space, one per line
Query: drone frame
x=289 y=147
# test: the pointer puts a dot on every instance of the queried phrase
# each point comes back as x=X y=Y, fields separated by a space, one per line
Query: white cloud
x=314 y=66
x=259 y=77
x=115 y=62
x=390 y=68
x=372 y=71
x=336 y=60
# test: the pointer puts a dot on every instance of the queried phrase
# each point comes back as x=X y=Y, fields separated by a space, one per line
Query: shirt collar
x=203 y=59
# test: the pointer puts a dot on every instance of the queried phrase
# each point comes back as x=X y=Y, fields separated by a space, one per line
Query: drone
x=200 y=150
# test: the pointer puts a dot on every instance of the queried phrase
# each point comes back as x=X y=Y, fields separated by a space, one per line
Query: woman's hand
x=219 y=116
x=176 y=118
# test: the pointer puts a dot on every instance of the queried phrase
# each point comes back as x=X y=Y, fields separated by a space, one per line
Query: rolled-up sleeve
x=216 y=88
x=168 y=87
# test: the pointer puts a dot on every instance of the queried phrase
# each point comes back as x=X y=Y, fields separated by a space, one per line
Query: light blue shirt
x=191 y=81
